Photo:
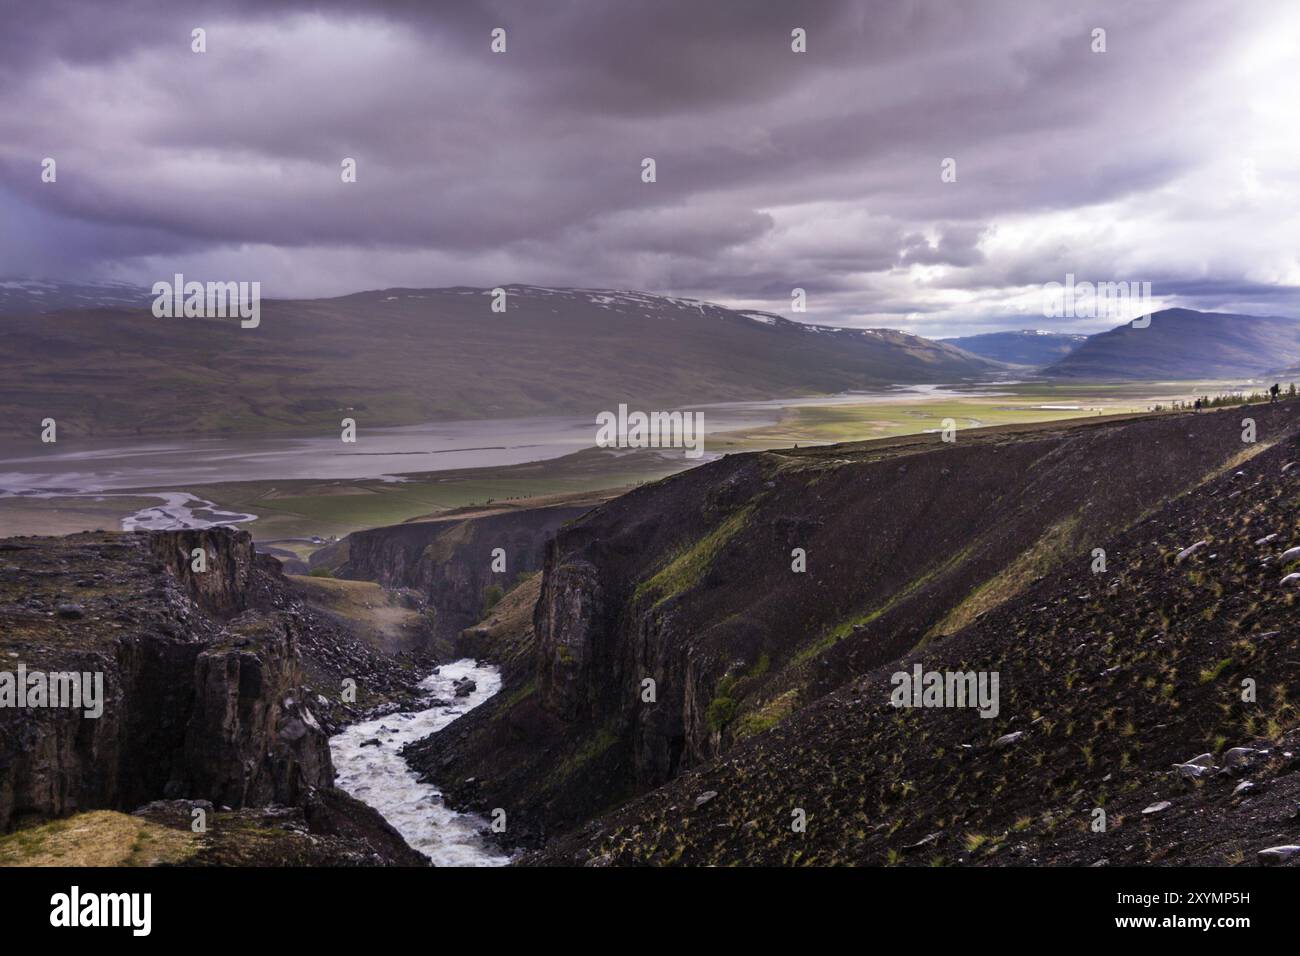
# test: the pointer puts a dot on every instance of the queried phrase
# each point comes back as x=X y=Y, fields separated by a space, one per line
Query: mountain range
x=1182 y=343
x=1033 y=347
x=95 y=358
x=27 y=296
x=405 y=356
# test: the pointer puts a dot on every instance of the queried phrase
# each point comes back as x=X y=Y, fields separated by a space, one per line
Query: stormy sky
x=1169 y=158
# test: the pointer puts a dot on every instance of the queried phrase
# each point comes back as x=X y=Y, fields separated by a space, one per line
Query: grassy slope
x=1111 y=678
x=97 y=838
x=899 y=534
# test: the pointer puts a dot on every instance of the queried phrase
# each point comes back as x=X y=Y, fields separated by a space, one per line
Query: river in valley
x=167 y=468
x=376 y=774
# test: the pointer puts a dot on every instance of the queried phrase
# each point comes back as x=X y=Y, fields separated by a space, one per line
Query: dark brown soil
x=773 y=686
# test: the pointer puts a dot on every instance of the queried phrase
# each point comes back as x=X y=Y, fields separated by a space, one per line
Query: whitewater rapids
x=378 y=776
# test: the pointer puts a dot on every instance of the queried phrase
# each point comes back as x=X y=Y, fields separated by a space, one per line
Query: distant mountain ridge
x=1034 y=347
x=1183 y=343
x=28 y=296
x=405 y=356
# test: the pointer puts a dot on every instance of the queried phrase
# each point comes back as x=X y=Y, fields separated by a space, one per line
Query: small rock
x=704 y=798
x=71 y=612
x=1006 y=740
x=372 y=742
x=1291 y=580
x=1243 y=788
x=1187 y=552
x=1277 y=854
x=1240 y=757
x=1158 y=807
x=924 y=841
x=1290 y=554
x=1267 y=538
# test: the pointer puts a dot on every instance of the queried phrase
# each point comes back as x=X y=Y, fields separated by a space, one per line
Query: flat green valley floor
x=303 y=509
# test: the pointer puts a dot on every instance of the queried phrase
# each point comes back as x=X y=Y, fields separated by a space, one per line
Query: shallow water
x=79 y=466
x=165 y=468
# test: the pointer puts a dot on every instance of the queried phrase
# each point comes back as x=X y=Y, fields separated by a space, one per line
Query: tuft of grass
x=592 y=748
x=720 y=712
x=767 y=716
x=492 y=595
x=1211 y=674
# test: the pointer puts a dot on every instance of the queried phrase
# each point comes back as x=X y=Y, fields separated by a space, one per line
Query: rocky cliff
x=1146 y=717
x=205 y=671
x=450 y=561
x=675 y=623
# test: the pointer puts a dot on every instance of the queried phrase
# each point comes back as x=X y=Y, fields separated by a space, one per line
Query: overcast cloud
x=1169 y=158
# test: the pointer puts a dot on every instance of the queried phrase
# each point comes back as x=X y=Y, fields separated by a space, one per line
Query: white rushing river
x=377 y=774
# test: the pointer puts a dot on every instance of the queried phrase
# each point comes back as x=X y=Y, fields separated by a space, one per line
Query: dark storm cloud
x=775 y=169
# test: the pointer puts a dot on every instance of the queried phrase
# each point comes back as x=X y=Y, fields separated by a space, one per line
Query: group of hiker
x=1274 y=391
